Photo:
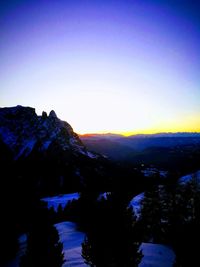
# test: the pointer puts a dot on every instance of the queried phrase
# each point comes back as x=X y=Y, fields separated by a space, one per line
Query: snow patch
x=187 y=178
x=72 y=240
x=91 y=155
x=135 y=203
x=156 y=255
x=104 y=195
x=149 y=172
x=60 y=200
x=87 y=153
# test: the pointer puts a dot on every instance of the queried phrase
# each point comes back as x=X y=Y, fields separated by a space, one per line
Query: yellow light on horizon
x=188 y=124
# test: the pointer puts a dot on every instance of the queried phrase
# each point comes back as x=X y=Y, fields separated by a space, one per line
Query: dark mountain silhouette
x=45 y=151
x=23 y=131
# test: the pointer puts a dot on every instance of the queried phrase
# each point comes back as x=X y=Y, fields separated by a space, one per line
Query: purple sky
x=120 y=66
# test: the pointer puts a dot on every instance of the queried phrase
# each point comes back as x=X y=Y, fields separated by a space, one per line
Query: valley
x=93 y=209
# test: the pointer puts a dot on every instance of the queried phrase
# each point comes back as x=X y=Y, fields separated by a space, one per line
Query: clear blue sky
x=104 y=66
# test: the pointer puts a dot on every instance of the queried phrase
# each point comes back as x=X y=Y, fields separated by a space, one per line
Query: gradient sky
x=104 y=66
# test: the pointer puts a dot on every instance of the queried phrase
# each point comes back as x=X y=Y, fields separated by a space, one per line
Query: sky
x=129 y=66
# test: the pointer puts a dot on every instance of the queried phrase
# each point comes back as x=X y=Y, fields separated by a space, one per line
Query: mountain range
x=139 y=142
x=163 y=150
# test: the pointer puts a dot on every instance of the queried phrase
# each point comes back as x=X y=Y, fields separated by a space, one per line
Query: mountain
x=103 y=136
x=23 y=131
x=108 y=146
x=169 y=134
x=137 y=142
x=45 y=152
x=162 y=150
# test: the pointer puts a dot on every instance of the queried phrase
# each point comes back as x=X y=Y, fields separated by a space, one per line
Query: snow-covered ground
x=60 y=200
x=72 y=240
x=136 y=203
x=156 y=255
x=185 y=179
x=64 y=199
x=150 y=172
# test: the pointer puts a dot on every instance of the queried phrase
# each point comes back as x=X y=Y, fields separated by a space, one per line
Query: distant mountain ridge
x=155 y=135
x=168 y=134
x=137 y=148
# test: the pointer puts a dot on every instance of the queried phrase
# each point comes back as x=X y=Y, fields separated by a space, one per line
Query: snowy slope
x=64 y=199
x=135 y=203
x=72 y=240
x=156 y=255
x=60 y=200
x=185 y=179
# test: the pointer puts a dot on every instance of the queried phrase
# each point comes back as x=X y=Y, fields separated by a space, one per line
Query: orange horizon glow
x=126 y=134
x=188 y=125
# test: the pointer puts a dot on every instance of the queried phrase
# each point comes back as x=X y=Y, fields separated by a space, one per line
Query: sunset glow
x=104 y=66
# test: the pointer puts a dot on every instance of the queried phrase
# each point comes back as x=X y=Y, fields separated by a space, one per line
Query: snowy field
x=155 y=255
x=72 y=240
x=60 y=200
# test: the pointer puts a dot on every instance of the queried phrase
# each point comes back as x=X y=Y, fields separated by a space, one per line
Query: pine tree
x=43 y=246
x=151 y=215
x=112 y=239
x=186 y=232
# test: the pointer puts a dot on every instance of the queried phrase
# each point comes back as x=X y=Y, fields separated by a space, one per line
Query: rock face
x=23 y=131
x=44 y=152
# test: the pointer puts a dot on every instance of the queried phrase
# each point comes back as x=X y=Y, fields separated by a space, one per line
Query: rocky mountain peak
x=23 y=131
x=52 y=114
x=44 y=115
x=16 y=112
